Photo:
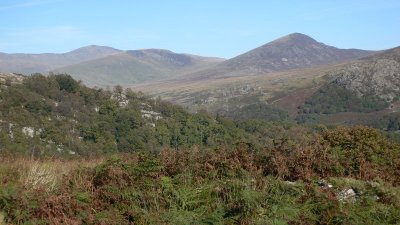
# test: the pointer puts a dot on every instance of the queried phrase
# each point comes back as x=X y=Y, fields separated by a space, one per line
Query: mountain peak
x=295 y=38
x=298 y=35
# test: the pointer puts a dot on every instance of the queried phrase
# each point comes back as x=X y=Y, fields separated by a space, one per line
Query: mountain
x=105 y=66
x=40 y=63
x=264 y=75
x=293 y=51
x=137 y=66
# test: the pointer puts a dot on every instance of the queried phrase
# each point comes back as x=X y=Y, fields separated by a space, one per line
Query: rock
x=28 y=131
x=60 y=148
x=150 y=115
x=347 y=195
x=123 y=103
x=71 y=152
x=10 y=132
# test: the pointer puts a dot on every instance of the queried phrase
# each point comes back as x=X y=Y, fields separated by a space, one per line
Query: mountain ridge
x=105 y=66
x=136 y=66
x=44 y=62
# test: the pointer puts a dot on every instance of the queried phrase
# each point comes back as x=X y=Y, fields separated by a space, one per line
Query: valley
x=291 y=132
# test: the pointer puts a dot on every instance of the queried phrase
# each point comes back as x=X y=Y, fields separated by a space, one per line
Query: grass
x=40 y=174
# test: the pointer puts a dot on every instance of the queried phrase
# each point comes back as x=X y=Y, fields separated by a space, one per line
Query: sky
x=222 y=28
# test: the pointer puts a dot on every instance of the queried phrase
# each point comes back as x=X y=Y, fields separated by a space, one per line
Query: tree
x=66 y=83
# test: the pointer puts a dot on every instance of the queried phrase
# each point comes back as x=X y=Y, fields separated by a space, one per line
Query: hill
x=137 y=66
x=56 y=116
x=230 y=94
x=357 y=91
x=39 y=63
x=369 y=84
x=293 y=51
x=258 y=79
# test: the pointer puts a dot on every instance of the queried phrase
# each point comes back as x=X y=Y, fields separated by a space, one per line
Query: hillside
x=278 y=91
x=39 y=63
x=375 y=75
x=369 y=84
x=77 y=155
x=357 y=91
x=258 y=79
x=137 y=66
x=60 y=117
x=293 y=51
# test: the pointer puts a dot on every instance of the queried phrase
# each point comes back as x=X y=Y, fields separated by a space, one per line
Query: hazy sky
x=204 y=27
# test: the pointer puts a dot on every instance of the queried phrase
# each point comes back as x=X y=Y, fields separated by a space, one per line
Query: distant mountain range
x=105 y=66
x=43 y=63
x=137 y=66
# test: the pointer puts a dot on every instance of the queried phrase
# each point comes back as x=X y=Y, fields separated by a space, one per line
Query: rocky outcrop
x=8 y=78
x=377 y=75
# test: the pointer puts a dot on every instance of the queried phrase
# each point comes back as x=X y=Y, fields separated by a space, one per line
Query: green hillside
x=47 y=116
x=77 y=155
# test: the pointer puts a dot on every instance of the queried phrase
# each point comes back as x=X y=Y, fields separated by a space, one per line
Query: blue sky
x=204 y=27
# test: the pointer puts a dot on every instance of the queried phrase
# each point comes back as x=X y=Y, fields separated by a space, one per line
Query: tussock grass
x=40 y=174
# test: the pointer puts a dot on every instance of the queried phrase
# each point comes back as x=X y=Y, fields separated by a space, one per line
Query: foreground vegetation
x=343 y=176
